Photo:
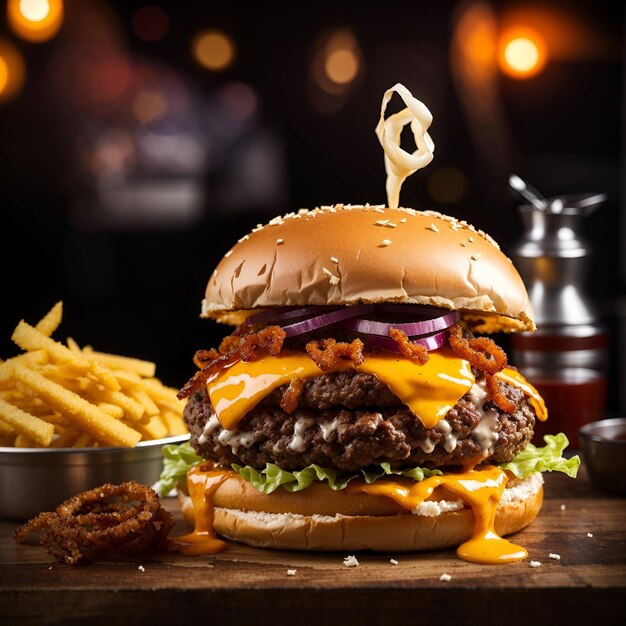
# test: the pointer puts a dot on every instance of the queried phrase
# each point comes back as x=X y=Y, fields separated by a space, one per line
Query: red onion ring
x=271 y=315
x=319 y=321
x=423 y=327
x=433 y=342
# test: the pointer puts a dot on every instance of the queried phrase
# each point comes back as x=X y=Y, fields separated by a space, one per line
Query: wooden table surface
x=251 y=586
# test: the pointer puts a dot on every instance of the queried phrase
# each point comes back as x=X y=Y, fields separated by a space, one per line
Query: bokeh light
x=214 y=50
x=35 y=20
x=337 y=62
x=12 y=70
x=150 y=23
x=523 y=54
x=149 y=106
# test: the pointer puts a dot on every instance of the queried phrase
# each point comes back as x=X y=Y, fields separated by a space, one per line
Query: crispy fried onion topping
x=499 y=399
x=483 y=353
x=410 y=350
x=247 y=348
x=326 y=352
x=268 y=341
x=102 y=522
x=291 y=395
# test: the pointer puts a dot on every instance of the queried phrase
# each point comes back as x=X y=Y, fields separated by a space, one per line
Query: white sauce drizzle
x=328 y=428
x=297 y=443
x=485 y=432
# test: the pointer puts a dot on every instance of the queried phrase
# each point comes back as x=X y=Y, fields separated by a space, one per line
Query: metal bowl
x=33 y=480
x=603 y=445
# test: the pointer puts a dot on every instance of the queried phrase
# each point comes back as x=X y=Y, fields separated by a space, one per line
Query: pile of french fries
x=61 y=395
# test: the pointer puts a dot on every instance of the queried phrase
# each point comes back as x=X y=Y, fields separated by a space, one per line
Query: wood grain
x=252 y=586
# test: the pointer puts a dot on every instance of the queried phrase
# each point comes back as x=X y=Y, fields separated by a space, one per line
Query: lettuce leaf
x=179 y=459
x=272 y=477
x=549 y=458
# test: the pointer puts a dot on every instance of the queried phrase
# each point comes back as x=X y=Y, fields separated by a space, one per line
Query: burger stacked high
x=355 y=406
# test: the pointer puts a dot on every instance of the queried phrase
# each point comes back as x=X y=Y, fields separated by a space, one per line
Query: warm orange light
x=214 y=50
x=523 y=54
x=35 y=20
x=11 y=70
x=342 y=66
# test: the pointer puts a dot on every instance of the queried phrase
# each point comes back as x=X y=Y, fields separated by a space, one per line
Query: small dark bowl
x=603 y=445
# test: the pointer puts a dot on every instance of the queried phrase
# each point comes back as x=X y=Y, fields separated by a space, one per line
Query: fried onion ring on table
x=90 y=525
x=326 y=352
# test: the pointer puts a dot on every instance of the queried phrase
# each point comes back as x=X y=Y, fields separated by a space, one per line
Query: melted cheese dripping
x=481 y=489
x=202 y=483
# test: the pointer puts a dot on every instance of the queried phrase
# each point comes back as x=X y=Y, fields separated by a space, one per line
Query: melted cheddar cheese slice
x=429 y=390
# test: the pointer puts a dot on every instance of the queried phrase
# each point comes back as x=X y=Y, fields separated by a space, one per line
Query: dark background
x=91 y=198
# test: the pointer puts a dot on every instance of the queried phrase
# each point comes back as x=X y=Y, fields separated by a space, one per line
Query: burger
x=358 y=403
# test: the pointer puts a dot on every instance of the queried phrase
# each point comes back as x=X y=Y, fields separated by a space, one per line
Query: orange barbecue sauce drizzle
x=202 y=482
x=480 y=488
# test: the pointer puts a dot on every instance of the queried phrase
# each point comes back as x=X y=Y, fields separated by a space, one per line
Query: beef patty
x=349 y=420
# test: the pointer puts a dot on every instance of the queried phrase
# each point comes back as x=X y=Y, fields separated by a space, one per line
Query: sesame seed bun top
x=346 y=255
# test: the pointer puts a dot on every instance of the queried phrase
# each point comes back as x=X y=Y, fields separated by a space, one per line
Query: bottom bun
x=390 y=530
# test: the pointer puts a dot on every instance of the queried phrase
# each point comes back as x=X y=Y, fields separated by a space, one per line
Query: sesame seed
x=535 y=564
x=382 y=222
x=351 y=561
x=433 y=228
x=279 y=242
x=386 y=242
x=291 y=572
x=391 y=225
x=470 y=239
x=563 y=507
x=403 y=220
x=463 y=243
x=334 y=259
x=228 y=253
x=379 y=210
x=589 y=534
x=475 y=257
x=141 y=568
x=243 y=238
x=556 y=557
x=446 y=578
x=334 y=280
x=393 y=561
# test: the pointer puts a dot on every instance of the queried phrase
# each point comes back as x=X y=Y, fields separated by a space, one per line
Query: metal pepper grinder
x=567 y=357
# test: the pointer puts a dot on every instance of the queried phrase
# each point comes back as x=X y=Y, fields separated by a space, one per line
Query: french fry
x=175 y=423
x=115 y=361
x=26 y=424
x=87 y=416
x=143 y=398
x=58 y=395
x=113 y=410
x=50 y=322
x=6 y=428
x=133 y=410
x=29 y=338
